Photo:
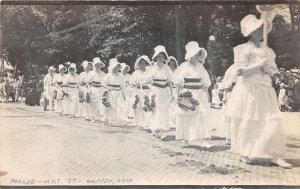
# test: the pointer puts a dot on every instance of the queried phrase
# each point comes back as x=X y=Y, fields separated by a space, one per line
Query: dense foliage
x=36 y=36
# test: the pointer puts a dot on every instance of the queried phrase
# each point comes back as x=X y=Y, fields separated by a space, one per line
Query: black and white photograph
x=131 y=93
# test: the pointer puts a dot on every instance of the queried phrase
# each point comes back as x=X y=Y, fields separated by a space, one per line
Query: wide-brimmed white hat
x=61 y=67
x=97 y=60
x=51 y=68
x=123 y=66
x=143 y=57
x=85 y=63
x=160 y=49
x=10 y=68
x=250 y=23
x=113 y=63
x=72 y=65
x=174 y=59
x=192 y=48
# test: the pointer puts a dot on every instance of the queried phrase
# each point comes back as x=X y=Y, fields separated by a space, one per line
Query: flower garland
x=193 y=101
x=105 y=101
x=65 y=94
x=136 y=101
x=81 y=96
x=55 y=94
x=149 y=106
x=88 y=98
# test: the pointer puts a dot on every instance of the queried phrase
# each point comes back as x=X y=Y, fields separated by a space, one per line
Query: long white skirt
x=71 y=101
x=58 y=102
x=194 y=125
x=49 y=94
x=161 y=113
x=254 y=118
x=95 y=108
x=141 y=118
x=115 y=113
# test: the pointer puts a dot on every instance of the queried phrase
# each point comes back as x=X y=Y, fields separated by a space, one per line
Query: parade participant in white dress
x=58 y=89
x=228 y=82
x=71 y=99
x=160 y=75
x=140 y=84
x=215 y=96
x=114 y=98
x=127 y=91
x=173 y=64
x=193 y=111
x=253 y=106
x=83 y=82
x=96 y=79
x=282 y=97
x=49 y=87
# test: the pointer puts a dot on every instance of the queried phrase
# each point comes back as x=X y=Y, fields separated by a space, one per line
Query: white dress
x=229 y=80
x=252 y=109
x=215 y=97
x=96 y=91
x=49 y=89
x=128 y=111
x=139 y=79
x=83 y=81
x=58 y=93
x=160 y=78
x=115 y=83
x=193 y=125
x=71 y=100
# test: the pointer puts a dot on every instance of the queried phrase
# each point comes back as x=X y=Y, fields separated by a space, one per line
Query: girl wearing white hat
x=193 y=110
x=49 y=87
x=127 y=91
x=253 y=108
x=140 y=88
x=71 y=99
x=114 y=98
x=96 y=78
x=83 y=82
x=58 y=93
x=160 y=75
x=173 y=64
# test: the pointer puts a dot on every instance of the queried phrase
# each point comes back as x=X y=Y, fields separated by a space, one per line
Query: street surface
x=43 y=148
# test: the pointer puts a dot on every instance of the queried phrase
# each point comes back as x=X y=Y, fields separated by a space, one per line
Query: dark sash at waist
x=192 y=86
x=118 y=86
x=59 y=83
x=160 y=85
x=143 y=87
x=96 y=84
x=159 y=80
x=72 y=85
x=191 y=80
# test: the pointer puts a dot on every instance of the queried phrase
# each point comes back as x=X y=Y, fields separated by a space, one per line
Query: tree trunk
x=292 y=17
x=179 y=30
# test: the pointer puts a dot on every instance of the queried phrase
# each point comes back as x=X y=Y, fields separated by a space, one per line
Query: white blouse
x=188 y=70
x=84 y=78
x=247 y=54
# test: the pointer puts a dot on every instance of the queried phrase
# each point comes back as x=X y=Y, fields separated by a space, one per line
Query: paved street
x=41 y=148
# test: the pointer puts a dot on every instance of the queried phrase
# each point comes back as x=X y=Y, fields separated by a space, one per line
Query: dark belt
x=191 y=80
x=114 y=86
x=160 y=85
x=192 y=87
x=143 y=87
x=96 y=84
x=159 y=80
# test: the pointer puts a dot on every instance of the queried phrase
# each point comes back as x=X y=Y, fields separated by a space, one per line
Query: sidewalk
x=42 y=148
